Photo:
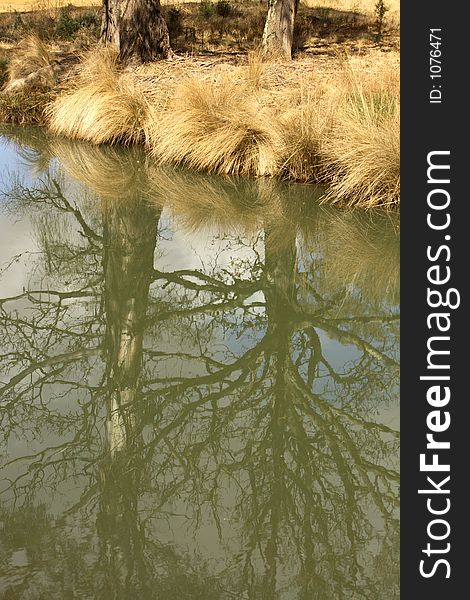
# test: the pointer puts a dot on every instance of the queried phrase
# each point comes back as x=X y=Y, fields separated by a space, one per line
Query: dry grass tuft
x=25 y=107
x=102 y=105
x=305 y=129
x=30 y=56
x=218 y=127
x=363 y=150
x=256 y=71
x=341 y=129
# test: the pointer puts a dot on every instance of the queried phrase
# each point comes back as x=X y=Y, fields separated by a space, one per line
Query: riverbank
x=323 y=117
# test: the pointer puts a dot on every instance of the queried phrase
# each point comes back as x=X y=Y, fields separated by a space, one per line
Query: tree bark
x=136 y=28
x=278 y=35
x=110 y=23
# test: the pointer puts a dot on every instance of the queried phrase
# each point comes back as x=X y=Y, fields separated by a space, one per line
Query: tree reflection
x=241 y=397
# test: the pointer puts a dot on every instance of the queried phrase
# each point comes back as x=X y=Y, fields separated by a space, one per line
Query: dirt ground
x=366 y=6
x=26 y=5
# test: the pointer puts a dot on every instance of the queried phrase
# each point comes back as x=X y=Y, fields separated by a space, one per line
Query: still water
x=199 y=384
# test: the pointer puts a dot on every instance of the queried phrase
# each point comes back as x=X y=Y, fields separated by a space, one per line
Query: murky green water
x=199 y=384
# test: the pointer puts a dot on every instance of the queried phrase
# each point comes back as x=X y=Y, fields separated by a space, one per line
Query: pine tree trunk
x=136 y=28
x=278 y=35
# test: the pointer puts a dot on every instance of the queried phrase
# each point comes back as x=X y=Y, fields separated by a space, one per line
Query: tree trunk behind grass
x=110 y=23
x=278 y=35
x=136 y=28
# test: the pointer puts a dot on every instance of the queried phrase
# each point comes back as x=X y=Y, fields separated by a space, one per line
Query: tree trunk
x=130 y=234
x=136 y=28
x=278 y=35
x=110 y=23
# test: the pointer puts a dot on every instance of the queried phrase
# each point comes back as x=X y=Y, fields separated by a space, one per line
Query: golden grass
x=362 y=6
x=25 y=107
x=101 y=105
x=255 y=73
x=218 y=127
x=304 y=128
x=30 y=56
x=359 y=5
x=25 y=5
x=29 y=82
x=28 y=5
x=363 y=149
x=341 y=129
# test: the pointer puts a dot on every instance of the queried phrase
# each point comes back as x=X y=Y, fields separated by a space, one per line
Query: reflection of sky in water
x=9 y=158
x=16 y=244
x=17 y=237
x=178 y=249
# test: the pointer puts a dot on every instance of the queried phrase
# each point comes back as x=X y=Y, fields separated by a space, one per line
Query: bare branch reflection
x=197 y=432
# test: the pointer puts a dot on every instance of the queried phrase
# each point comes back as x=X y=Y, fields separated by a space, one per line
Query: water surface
x=199 y=384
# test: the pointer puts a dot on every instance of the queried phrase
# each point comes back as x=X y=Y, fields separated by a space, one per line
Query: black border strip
x=434 y=127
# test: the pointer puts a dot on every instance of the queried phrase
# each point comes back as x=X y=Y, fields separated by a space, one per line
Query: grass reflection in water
x=200 y=387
